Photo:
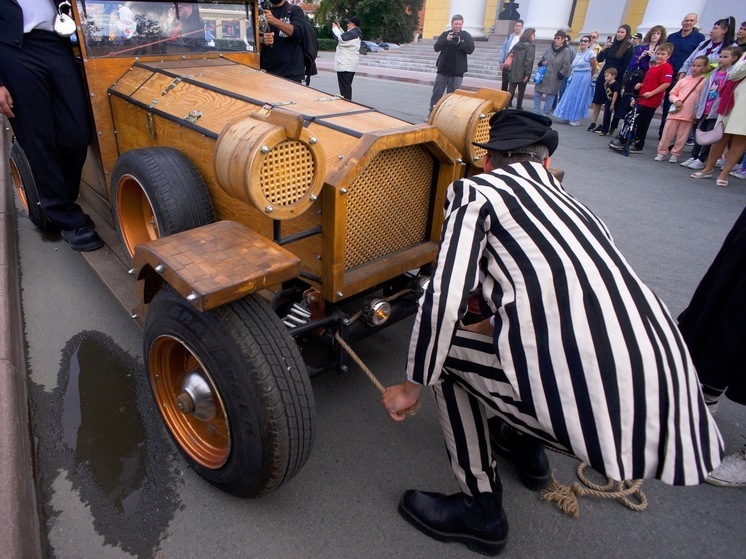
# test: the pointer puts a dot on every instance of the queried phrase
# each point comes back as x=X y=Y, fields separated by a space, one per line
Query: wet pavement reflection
x=100 y=427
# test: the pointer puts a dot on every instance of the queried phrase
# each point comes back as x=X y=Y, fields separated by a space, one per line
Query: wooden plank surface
x=217 y=263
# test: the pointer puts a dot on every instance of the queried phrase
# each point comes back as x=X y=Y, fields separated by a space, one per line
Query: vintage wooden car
x=252 y=213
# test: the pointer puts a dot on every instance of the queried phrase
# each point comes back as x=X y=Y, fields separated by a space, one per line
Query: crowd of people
x=689 y=81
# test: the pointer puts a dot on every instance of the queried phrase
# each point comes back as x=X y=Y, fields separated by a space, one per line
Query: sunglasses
x=584 y=41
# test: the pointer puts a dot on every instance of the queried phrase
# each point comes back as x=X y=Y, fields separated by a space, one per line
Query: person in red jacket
x=651 y=91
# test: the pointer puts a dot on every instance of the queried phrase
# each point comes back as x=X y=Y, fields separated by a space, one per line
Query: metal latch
x=331 y=98
x=193 y=116
x=171 y=86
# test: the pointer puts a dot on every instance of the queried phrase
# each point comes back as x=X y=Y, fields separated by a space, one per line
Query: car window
x=116 y=28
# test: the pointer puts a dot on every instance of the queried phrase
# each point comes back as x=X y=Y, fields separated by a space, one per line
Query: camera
x=456 y=38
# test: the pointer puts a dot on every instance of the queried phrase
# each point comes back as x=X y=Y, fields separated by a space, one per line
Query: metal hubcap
x=189 y=402
x=196 y=398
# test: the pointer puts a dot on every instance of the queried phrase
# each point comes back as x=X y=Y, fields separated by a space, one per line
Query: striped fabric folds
x=594 y=359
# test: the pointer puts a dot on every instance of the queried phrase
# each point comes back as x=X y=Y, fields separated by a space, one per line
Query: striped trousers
x=474 y=387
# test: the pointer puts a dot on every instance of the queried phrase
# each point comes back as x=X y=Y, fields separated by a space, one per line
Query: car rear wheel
x=25 y=185
x=232 y=389
x=157 y=192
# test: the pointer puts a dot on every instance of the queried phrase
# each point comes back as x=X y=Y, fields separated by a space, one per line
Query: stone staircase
x=420 y=57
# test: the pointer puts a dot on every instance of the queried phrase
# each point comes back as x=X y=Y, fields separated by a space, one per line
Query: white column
x=719 y=9
x=669 y=14
x=546 y=16
x=605 y=17
x=473 y=12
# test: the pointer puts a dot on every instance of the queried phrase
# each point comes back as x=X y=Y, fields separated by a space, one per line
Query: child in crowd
x=613 y=90
x=681 y=117
x=657 y=79
x=706 y=110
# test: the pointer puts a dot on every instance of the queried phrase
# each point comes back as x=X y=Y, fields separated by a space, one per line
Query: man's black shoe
x=84 y=238
x=478 y=522
x=526 y=453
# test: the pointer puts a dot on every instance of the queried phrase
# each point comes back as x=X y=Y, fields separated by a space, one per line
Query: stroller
x=628 y=133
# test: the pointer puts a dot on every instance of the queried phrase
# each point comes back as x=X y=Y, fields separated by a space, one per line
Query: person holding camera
x=284 y=55
x=453 y=45
x=347 y=55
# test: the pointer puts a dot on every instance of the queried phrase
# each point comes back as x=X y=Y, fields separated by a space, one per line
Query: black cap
x=354 y=20
x=512 y=129
x=637 y=36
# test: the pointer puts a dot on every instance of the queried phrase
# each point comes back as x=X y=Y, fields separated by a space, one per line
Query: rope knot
x=567 y=495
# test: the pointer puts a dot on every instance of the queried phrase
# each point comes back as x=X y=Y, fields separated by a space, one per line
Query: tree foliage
x=394 y=21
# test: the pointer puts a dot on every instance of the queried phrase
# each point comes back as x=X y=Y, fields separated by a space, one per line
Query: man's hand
x=483 y=327
x=399 y=398
x=6 y=102
x=268 y=38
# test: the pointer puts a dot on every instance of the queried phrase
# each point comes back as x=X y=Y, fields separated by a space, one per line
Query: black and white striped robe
x=584 y=355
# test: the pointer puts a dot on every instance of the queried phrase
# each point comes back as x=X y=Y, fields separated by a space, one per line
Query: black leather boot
x=478 y=522
x=526 y=453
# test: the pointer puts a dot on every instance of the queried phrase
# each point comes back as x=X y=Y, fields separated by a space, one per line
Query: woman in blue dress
x=574 y=103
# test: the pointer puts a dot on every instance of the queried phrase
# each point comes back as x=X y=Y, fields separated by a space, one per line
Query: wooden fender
x=272 y=163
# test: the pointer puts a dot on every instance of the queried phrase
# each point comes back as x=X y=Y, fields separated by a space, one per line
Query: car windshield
x=125 y=29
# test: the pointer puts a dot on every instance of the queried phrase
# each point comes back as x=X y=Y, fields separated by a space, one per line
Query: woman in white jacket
x=348 y=54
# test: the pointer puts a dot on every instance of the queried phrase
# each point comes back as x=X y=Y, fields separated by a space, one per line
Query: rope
x=567 y=495
x=409 y=411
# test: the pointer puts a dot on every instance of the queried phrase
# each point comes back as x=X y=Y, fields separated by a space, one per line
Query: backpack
x=310 y=46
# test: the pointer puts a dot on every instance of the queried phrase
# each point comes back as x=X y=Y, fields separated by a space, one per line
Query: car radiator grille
x=389 y=204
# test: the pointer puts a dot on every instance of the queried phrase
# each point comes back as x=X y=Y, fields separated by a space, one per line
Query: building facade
x=580 y=16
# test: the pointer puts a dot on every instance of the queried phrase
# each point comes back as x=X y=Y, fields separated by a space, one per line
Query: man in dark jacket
x=453 y=45
x=282 y=54
x=684 y=42
x=41 y=92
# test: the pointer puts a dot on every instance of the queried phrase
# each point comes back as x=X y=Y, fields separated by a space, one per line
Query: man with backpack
x=288 y=42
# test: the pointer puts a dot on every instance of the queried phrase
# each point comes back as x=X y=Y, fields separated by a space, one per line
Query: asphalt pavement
x=111 y=485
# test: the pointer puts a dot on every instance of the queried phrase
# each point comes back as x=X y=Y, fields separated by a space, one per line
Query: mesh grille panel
x=482 y=135
x=287 y=173
x=388 y=204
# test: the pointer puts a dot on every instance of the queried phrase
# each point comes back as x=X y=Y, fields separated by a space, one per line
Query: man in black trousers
x=41 y=92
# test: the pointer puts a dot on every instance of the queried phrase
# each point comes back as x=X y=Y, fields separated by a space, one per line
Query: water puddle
x=100 y=422
x=100 y=426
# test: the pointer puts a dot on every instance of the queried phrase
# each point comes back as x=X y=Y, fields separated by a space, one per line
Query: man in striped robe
x=578 y=352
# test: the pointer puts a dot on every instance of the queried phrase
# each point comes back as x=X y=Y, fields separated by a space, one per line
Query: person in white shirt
x=510 y=42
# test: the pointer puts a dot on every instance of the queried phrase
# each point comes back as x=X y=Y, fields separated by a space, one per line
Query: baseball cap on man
x=354 y=20
x=637 y=36
x=512 y=129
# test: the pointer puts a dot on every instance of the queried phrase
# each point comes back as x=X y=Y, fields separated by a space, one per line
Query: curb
x=20 y=534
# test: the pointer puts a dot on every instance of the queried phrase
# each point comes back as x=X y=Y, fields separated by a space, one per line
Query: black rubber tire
x=25 y=186
x=261 y=380
x=157 y=192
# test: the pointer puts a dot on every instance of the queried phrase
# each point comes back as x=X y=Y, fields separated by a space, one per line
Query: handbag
x=539 y=75
x=508 y=61
x=711 y=136
x=673 y=108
